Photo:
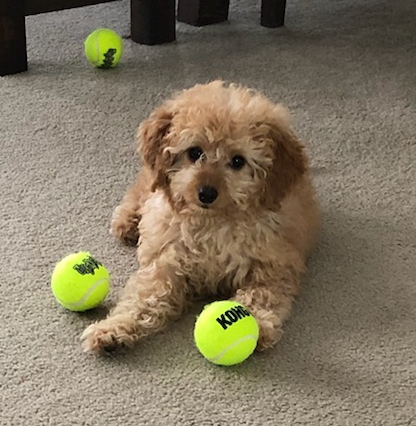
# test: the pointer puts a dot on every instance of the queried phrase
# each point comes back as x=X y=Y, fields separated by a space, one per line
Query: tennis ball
x=226 y=333
x=79 y=282
x=103 y=48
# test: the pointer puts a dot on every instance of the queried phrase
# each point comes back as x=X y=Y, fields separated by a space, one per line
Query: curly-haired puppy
x=223 y=207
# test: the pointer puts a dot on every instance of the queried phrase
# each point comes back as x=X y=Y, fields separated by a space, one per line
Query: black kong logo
x=231 y=316
x=108 y=58
x=88 y=266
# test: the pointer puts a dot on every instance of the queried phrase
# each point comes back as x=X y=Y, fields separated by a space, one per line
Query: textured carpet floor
x=347 y=70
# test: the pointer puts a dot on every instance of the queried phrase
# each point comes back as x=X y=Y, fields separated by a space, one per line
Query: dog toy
x=103 y=48
x=79 y=282
x=226 y=333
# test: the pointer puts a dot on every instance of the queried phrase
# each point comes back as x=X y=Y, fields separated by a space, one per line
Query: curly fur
x=250 y=244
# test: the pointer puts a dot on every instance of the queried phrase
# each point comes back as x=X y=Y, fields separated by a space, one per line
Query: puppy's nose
x=207 y=194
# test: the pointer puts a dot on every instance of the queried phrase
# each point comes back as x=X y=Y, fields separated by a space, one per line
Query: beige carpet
x=347 y=70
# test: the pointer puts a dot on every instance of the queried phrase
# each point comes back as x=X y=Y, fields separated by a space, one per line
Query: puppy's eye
x=237 y=162
x=195 y=153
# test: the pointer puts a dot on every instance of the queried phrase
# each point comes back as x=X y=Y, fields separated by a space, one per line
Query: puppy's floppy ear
x=153 y=139
x=289 y=163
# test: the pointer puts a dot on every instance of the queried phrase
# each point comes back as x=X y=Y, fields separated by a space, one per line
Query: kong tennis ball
x=103 y=48
x=79 y=282
x=226 y=333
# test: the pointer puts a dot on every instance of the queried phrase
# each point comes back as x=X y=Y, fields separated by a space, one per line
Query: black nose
x=207 y=194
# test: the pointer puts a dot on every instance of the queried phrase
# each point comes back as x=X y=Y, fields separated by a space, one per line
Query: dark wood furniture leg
x=153 y=21
x=203 y=12
x=273 y=13
x=13 y=56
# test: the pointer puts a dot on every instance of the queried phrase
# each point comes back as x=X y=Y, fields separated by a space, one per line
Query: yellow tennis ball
x=103 y=48
x=79 y=282
x=226 y=333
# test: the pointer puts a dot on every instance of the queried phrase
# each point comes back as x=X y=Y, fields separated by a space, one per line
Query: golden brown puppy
x=223 y=207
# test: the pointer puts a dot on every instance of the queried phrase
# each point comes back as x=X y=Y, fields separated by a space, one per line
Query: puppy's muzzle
x=207 y=194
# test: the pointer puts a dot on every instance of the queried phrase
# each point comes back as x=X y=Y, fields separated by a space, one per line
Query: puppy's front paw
x=99 y=338
x=124 y=225
x=267 y=341
x=269 y=334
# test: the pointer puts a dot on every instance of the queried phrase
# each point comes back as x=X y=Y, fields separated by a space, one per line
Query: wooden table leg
x=13 y=56
x=203 y=12
x=273 y=13
x=153 y=21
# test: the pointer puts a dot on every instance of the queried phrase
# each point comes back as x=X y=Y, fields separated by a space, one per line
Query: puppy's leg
x=269 y=298
x=152 y=296
x=270 y=311
x=126 y=216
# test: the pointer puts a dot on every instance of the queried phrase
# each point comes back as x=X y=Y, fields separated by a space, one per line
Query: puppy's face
x=216 y=168
x=221 y=149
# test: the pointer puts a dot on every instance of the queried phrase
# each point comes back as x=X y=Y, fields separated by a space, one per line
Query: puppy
x=223 y=207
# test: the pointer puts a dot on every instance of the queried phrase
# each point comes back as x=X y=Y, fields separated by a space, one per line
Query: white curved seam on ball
x=87 y=294
x=237 y=342
x=97 y=47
